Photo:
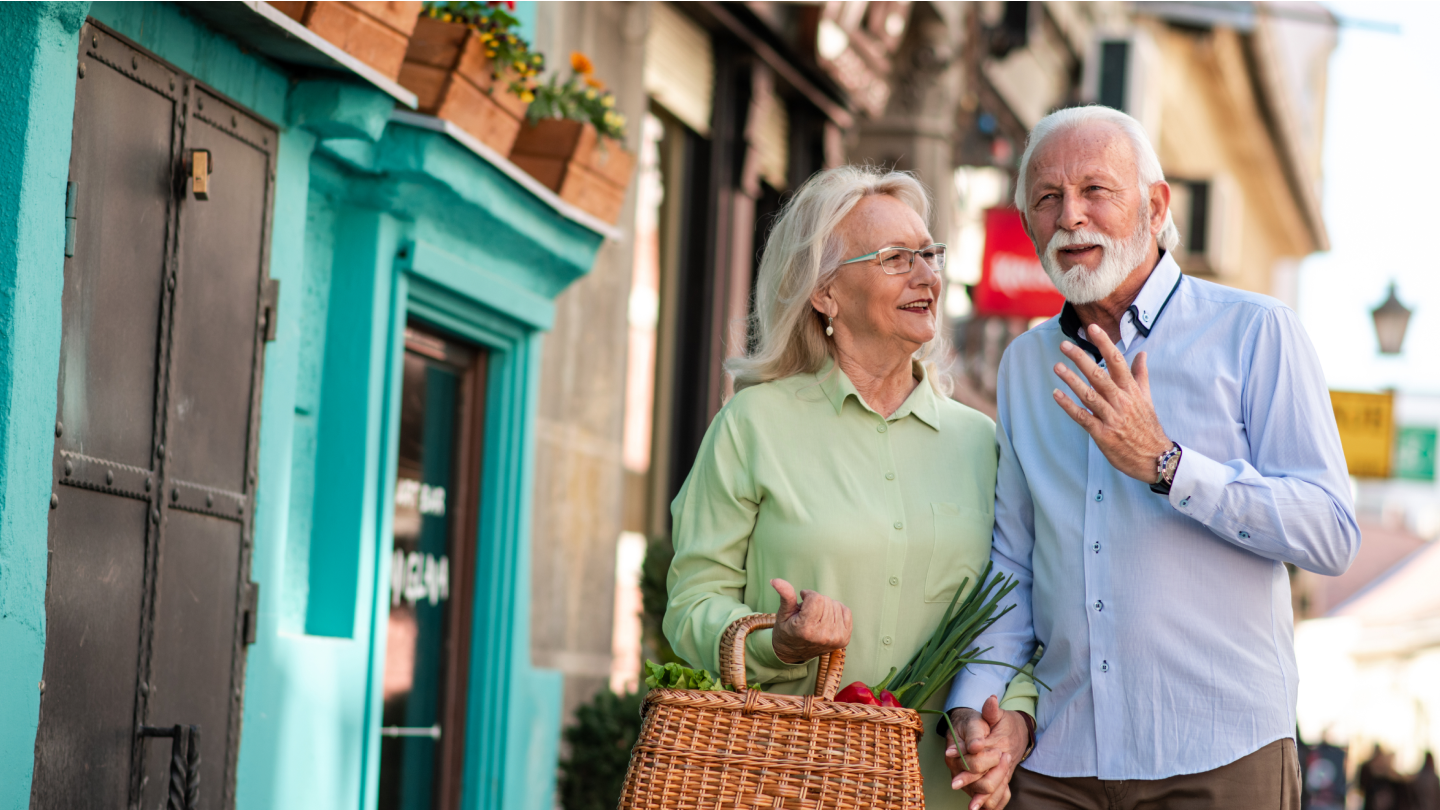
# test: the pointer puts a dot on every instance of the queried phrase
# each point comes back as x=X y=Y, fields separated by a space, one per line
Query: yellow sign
x=1366 y=431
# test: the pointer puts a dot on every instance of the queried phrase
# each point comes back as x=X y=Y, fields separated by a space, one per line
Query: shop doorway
x=422 y=735
x=166 y=309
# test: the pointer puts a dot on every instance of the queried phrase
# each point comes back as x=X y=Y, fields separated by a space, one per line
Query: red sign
x=1012 y=282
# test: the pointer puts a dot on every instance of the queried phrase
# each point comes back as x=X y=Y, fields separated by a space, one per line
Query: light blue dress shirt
x=1166 y=622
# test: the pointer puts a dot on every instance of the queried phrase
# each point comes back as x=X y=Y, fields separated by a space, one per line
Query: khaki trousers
x=1268 y=779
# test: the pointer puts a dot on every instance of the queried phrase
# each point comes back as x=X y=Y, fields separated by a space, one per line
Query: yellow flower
x=590 y=94
x=527 y=96
x=490 y=54
x=580 y=63
x=538 y=59
x=608 y=101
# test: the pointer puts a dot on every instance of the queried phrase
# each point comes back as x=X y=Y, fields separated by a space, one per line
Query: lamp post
x=1391 y=319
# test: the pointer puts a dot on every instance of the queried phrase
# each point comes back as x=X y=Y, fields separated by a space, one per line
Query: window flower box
x=448 y=71
x=376 y=33
x=569 y=157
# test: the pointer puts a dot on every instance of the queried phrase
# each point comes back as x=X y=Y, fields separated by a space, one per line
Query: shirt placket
x=896 y=546
x=1100 y=607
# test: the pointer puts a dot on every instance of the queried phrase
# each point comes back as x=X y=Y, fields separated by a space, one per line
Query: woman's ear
x=823 y=300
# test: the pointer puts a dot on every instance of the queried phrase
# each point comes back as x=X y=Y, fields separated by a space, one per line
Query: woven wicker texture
x=749 y=749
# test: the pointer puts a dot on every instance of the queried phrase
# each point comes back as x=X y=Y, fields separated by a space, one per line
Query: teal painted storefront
x=380 y=218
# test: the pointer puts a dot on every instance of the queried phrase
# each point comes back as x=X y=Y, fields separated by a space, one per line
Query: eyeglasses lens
x=900 y=260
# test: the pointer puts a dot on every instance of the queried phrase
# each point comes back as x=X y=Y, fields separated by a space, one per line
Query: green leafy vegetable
x=675 y=676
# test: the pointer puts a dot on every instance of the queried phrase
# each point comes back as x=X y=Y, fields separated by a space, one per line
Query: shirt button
x=1244 y=535
x=1104 y=666
x=886 y=641
x=894 y=580
x=889 y=476
x=1099 y=605
x=1097 y=548
x=880 y=429
x=1099 y=495
x=899 y=525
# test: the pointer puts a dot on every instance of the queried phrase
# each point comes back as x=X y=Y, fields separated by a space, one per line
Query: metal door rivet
x=200 y=103
x=59 y=429
x=69 y=468
x=144 y=688
x=240 y=508
x=54 y=500
x=82 y=70
x=155 y=515
x=149 y=482
x=134 y=63
x=209 y=499
x=234 y=121
x=160 y=449
x=170 y=283
x=175 y=494
x=172 y=82
x=95 y=41
x=109 y=477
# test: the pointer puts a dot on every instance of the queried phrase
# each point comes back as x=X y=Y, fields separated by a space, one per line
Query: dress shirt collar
x=922 y=402
x=1143 y=313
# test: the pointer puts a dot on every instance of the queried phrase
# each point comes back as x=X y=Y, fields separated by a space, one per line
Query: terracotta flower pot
x=448 y=71
x=586 y=169
x=375 y=33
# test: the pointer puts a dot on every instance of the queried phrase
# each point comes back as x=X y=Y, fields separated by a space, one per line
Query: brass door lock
x=199 y=168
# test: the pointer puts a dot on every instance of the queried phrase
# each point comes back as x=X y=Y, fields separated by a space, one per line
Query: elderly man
x=1148 y=519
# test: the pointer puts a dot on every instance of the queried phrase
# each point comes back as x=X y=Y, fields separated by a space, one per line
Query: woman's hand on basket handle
x=811 y=628
x=995 y=741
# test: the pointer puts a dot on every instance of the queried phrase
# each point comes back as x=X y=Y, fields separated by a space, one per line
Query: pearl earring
x=830 y=327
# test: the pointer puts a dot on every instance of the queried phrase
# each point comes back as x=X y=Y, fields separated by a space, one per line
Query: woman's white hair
x=1146 y=161
x=803 y=255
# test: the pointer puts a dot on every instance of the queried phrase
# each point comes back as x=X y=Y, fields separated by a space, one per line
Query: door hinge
x=72 y=191
x=269 y=308
x=252 y=608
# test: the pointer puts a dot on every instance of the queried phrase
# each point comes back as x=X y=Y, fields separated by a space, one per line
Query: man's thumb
x=787 y=597
x=991 y=711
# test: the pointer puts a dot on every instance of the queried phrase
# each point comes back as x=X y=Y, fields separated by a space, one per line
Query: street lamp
x=1391 y=319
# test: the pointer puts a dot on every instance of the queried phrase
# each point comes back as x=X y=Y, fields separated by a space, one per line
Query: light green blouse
x=800 y=479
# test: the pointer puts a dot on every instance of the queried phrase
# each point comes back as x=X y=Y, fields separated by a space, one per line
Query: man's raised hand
x=1118 y=412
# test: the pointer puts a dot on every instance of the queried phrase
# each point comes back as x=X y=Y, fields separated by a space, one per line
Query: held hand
x=809 y=629
x=1121 y=416
x=995 y=742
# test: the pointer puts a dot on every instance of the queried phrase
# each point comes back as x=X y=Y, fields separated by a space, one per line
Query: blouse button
x=899 y=525
x=887 y=641
x=889 y=476
x=894 y=580
x=879 y=428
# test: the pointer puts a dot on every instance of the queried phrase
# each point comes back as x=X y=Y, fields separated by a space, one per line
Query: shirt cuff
x=972 y=689
x=763 y=664
x=1199 y=482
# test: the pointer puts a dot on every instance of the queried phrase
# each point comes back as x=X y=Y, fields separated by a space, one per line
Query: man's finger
x=1097 y=376
x=1081 y=416
x=787 y=598
x=1095 y=402
x=1142 y=373
x=1114 y=360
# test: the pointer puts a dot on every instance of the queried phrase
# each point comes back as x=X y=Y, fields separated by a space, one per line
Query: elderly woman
x=840 y=466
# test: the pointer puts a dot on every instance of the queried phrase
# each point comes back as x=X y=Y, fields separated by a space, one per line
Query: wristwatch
x=1165 y=466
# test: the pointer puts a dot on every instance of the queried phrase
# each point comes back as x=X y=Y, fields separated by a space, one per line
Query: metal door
x=166 y=308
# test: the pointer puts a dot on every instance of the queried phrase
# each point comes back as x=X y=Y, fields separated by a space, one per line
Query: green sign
x=1415 y=453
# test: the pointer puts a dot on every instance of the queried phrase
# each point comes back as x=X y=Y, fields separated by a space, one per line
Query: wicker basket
x=750 y=749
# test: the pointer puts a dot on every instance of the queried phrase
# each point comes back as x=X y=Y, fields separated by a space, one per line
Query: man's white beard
x=1118 y=258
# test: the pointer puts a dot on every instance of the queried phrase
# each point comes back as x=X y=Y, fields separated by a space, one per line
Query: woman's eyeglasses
x=897 y=260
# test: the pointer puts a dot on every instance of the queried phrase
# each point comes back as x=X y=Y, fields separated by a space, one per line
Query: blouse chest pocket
x=962 y=547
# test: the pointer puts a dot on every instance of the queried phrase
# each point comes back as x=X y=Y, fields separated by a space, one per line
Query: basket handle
x=732 y=657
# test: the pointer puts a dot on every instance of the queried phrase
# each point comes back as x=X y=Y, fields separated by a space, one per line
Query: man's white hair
x=1146 y=161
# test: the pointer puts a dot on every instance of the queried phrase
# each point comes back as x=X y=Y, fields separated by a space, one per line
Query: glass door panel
x=436 y=487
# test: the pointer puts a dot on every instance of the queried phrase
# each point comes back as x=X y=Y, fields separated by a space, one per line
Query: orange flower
x=595 y=83
x=580 y=63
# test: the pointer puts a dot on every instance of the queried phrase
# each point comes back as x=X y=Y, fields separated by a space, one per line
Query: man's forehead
x=1096 y=148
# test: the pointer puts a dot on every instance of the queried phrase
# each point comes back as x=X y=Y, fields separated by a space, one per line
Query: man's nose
x=1072 y=213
